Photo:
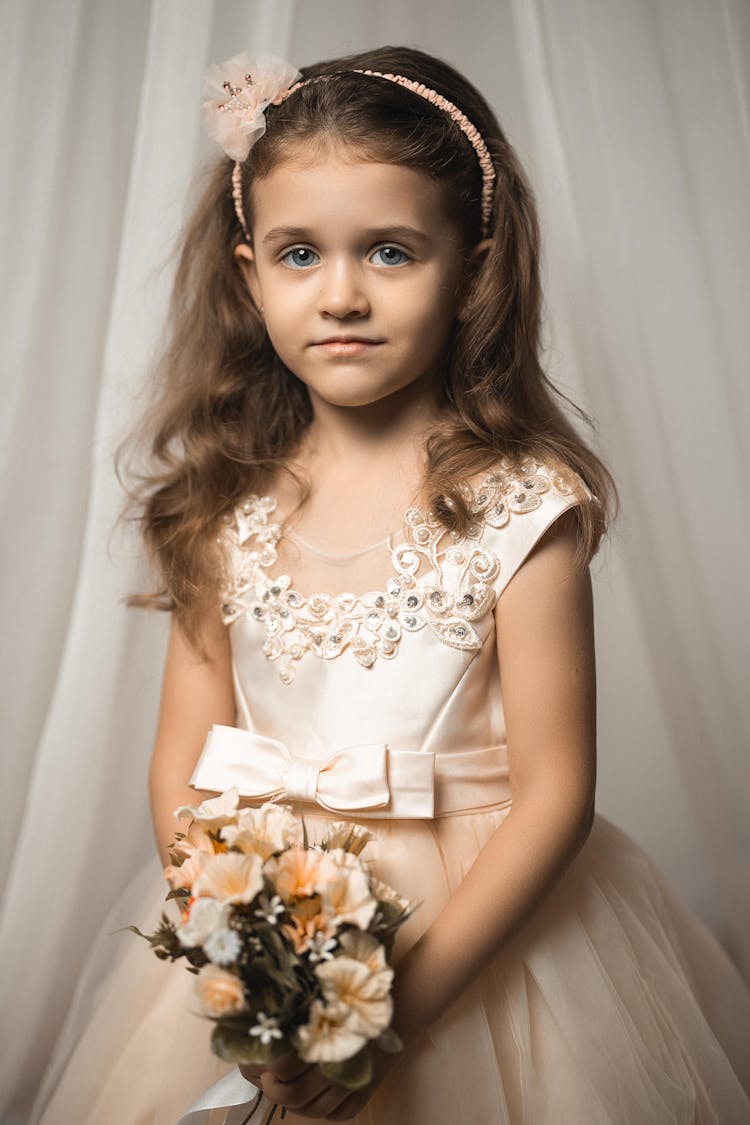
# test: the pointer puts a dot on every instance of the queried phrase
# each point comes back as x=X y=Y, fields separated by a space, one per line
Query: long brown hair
x=228 y=413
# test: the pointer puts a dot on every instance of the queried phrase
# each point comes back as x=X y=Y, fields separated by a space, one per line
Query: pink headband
x=237 y=121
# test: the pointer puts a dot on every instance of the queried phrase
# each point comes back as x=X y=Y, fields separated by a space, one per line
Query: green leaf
x=353 y=1073
x=389 y=1042
x=235 y=1045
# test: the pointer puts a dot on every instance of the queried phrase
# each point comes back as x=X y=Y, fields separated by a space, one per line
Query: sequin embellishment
x=450 y=598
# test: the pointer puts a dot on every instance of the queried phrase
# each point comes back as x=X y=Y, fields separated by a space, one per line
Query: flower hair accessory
x=243 y=88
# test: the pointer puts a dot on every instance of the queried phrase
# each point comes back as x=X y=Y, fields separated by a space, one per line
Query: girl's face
x=351 y=250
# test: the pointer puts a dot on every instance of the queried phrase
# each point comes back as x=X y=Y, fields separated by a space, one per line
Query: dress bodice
x=412 y=665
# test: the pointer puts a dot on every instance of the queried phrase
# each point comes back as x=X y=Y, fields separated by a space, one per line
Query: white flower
x=223 y=946
x=270 y=911
x=349 y=837
x=321 y=947
x=235 y=116
x=230 y=877
x=364 y=994
x=266 y=1029
x=205 y=917
x=215 y=812
x=328 y=1036
x=219 y=993
x=347 y=896
x=269 y=829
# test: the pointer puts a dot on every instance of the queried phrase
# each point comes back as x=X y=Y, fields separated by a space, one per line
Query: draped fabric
x=633 y=123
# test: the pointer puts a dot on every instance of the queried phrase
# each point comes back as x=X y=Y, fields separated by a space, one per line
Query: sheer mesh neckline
x=450 y=595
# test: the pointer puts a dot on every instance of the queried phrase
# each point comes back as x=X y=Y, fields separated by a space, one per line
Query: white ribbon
x=245 y=1103
x=371 y=779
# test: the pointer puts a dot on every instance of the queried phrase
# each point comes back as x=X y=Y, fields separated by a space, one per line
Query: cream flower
x=367 y=949
x=365 y=995
x=185 y=875
x=235 y=115
x=219 y=993
x=231 y=877
x=196 y=839
x=266 y=830
x=215 y=812
x=349 y=837
x=204 y=917
x=384 y=893
x=328 y=1036
x=347 y=896
x=299 y=871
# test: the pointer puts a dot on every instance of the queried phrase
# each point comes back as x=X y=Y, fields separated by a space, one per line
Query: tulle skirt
x=613 y=1005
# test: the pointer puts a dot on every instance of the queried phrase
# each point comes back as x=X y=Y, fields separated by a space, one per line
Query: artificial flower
x=231 y=877
x=266 y=1029
x=300 y=871
x=365 y=995
x=204 y=917
x=219 y=993
x=347 y=895
x=266 y=830
x=183 y=877
x=328 y=1035
x=223 y=946
x=346 y=836
x=235 y=117
x=215 y=812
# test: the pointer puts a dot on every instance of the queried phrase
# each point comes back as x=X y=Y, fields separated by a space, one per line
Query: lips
x=347 y=340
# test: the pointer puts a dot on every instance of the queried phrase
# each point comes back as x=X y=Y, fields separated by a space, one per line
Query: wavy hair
x=227 y=413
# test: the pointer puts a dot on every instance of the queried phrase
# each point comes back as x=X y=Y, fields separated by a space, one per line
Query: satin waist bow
x=371 y=779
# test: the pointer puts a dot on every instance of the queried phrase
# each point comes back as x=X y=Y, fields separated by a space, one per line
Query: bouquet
x=289 y=942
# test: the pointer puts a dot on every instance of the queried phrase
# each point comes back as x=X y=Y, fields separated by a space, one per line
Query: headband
x=242 y=89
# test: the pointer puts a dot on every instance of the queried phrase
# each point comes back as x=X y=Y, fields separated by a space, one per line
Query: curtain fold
x=633 y=122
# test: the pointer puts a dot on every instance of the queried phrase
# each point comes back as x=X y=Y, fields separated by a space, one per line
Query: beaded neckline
x=450 y=597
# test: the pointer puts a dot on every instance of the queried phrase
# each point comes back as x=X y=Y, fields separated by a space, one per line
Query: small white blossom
x=270 y=911
x=266 y=1029
x=205 y=918
x=223 y=946
x=321 y=948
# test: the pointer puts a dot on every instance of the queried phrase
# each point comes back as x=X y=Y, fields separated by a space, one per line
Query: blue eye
x=301 y=251
x=391 y=250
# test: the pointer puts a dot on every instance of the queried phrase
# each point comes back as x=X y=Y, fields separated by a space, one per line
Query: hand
x=300 y=1086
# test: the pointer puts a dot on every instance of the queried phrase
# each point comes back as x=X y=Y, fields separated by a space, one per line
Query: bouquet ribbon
x=243 y=1102
x=371 y=779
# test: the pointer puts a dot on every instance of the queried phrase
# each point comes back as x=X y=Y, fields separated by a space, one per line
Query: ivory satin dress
x=613 y=1005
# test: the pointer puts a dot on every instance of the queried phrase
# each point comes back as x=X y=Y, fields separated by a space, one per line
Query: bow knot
x=356 y=779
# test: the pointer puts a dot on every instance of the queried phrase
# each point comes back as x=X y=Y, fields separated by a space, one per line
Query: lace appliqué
x=453 y=594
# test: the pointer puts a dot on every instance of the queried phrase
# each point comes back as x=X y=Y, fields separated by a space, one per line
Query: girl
x=373 y=523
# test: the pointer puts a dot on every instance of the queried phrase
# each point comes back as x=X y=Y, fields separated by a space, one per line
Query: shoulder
x=515 y=505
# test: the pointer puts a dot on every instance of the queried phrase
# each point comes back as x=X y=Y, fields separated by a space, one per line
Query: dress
x=613 y=1005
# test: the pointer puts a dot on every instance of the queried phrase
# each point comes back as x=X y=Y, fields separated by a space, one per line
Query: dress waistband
x=370 y=780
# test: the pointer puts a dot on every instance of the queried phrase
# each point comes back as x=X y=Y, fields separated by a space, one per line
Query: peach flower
x=215 y=812
x=349 y=837
x=328 y=1036
x=298 y=871
x=364 y=994
x=231 y=877
x=266 y=830
x=188 y=871
x=347 y=896
x=219 y=993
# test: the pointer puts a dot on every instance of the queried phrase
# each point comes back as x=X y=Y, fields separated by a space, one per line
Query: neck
x=392 y=427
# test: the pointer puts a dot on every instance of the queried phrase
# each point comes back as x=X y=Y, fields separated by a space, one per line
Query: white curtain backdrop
x=632 y=119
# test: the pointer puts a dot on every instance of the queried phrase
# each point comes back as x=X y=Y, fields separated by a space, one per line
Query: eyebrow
x=396 y=230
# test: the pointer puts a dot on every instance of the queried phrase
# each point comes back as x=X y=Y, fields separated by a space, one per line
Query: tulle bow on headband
x=240 y=91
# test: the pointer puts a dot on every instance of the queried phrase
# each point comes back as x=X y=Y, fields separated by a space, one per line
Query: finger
x=290 y=1068
x=325 y=1104
x=296 y=1093
x=348 y=1108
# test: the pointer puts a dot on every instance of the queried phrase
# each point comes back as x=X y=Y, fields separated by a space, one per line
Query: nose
x=342 y=290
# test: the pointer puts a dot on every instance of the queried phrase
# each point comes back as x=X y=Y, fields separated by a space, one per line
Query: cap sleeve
x=517 y=506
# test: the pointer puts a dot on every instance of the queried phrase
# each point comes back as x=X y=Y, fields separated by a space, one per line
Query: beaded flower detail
x=450 y=597
x=240 y=90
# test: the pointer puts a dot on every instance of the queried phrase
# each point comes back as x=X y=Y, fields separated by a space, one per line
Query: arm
x=545 y=641
x=195 y=694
